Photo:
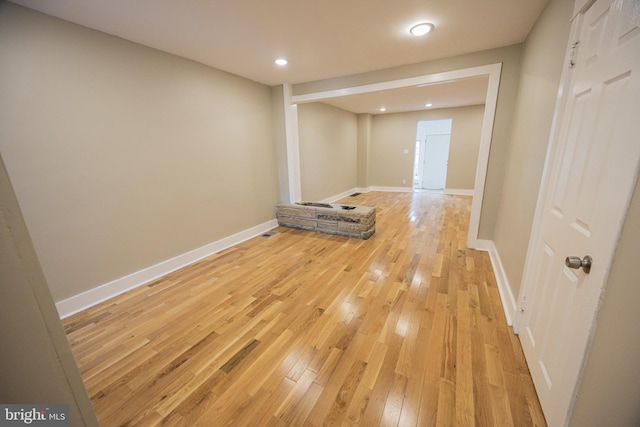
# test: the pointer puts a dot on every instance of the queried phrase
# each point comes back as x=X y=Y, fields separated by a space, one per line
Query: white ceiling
x=320 y=38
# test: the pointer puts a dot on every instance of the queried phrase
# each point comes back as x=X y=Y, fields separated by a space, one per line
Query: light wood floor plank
x=306 y=329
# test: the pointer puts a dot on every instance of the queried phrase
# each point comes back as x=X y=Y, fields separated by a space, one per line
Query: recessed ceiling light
x=281 y=61
x=428 y=105
x=421 y=29
x=382 y=109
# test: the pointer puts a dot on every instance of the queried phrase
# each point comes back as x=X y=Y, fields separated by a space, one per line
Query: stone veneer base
x=359 y=222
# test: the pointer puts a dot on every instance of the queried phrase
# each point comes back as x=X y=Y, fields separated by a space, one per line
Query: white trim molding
x=361 y=190
x=395 y=84
x=506 y=296
x=391 y=189
x=293 y=146
x=491 y=102
x=341 y=195
x=483 y=245
x=566 y=78
x=116 y=287
x=492 y=70
x=449 y=191
x=458 y=192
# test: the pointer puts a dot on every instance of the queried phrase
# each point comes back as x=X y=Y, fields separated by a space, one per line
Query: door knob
x=576 y=262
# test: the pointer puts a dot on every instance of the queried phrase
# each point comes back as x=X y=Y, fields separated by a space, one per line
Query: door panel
x=436 y=156
x=592 y=173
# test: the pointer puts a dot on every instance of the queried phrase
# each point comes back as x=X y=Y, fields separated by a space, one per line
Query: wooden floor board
x=306 y=329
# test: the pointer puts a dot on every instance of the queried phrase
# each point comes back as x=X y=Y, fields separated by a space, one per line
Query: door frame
x=491 y=70
x=420 y=151
x=526 y=284
x=554 y=154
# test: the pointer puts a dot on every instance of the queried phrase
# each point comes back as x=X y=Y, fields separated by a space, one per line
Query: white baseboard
x=109 y=290
x=365 y=190
x=508 y=301
x=392 y=189
x=361 y=190
x=340 y=196
x=458 y=192
x=480 y=244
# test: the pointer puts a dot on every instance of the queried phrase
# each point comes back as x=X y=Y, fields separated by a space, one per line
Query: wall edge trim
x=506 y=296
x=340 y=195
x=101 y=293
x=458 y=192
x=391 y=189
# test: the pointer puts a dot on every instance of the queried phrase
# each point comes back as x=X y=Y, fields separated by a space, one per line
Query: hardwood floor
x=307 y=329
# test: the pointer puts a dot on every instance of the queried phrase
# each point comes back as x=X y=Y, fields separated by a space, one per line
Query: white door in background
x=591 y=175
x=435 y=161
x=424 y=129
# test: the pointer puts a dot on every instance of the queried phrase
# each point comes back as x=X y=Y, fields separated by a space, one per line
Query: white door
x=436 y=157
x=592 y=171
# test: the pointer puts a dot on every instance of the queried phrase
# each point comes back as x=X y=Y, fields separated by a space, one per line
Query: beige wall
x=36 y=364
x=328 y=150
x=541 y=68
x=510 y=57
x=364 y=150
x=393 y=133
x=122 y=156
x=280 y=140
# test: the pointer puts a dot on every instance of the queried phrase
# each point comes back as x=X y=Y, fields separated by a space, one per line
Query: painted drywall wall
x=510 y=57
x=364 y=150
x=36 y=364
x=123 y=156
x=328 y=150
x=280 y=140
x=392 y=134
x=542 y=64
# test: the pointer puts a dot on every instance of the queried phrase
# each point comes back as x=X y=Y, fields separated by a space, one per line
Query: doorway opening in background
x=432 y=154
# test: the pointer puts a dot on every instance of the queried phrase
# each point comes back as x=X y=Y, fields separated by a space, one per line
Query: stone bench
x=343 y=220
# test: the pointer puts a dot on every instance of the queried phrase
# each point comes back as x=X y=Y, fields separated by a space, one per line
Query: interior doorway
x=431 y=154
x=492 y=71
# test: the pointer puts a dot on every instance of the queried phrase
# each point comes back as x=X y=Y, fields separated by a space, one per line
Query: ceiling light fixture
x=382 y=109
x=428 y=105
x=421 y=29
x=281 y=61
